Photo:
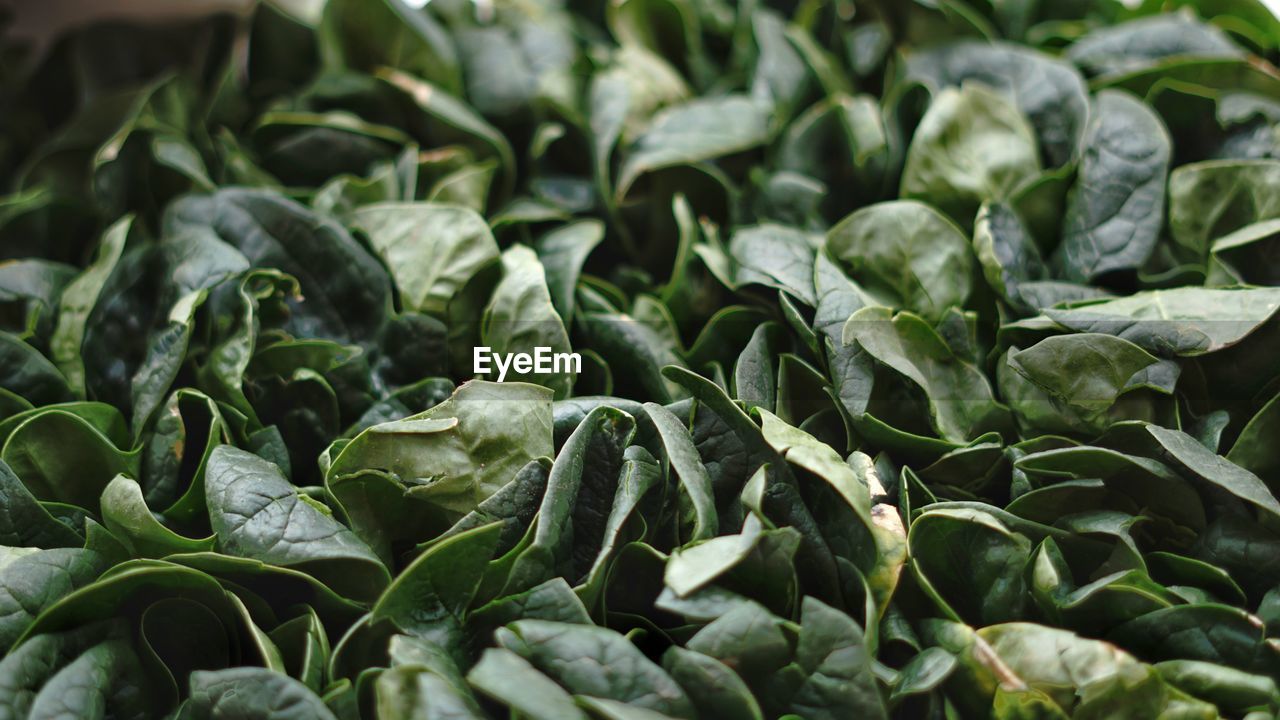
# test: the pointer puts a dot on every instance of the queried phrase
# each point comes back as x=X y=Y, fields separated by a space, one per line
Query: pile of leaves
x=930 y=362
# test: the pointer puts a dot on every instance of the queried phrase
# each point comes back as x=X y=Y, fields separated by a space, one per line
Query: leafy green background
x=929 y=362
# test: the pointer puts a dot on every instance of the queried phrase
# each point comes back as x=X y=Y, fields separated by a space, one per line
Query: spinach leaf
x=1210 y=199
x=1050 y=92
x=610 y=667
x=1147 y=41
x=971 y=146
x=250 y=693
x=691 y=132
x=521 y=319
x=905 y=254
x=349 y=300
x=455 y=455
x=432 y=250
x=255 y=513
x=1116 y=209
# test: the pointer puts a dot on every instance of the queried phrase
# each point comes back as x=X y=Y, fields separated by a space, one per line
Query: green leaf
x=1047 y=659
x=1229 y=689
x=1152 y=485
x=61 y=457
x=888 y=324
x=639 y=474
x=1048 y=91
x=905 y=254
x=78 y=300
x=971 y=146
x=388 y=33
x=266 y=580
x=622 y=98
x=572 y=521
x=715 y=689
x=452 y=118
x=833 y=655
x=774 y=256
x=304 y=148
x=1007 y=254
x=923 y=673
x=430 y=597
x=1178 y=321
x=126 y=514
x=348 y=301
x=416 y=692
x=25 y=522
x=177 y=450
x=1242 y=257
x=304 y=647
x=109 y=673
x=1236 y=639
x=257 y=514
x=1218 y=471
x=1146 y=41
x=32 y=580
x=32 y=289
x=961 y=403
x=1085 y=372
x=694 y=566
x=25 y=373
x=458 y=453
x=552 y=600
x=1251 y=451
x=687 y=464
x=1115 y=211
x=608 y=665
x=1210 y=199
x=563 y=252
x=780 y=73
x=633 y=350
x=692 y=132
x=520 y=318
x=431 y=250
x=974 y=561
x=514 y=681
x=755 y=374
x=748 y=639
x=223 y=373
x=251 y=693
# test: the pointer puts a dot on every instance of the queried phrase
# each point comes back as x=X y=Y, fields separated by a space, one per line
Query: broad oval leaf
x=906 y=254
x=257 y=514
